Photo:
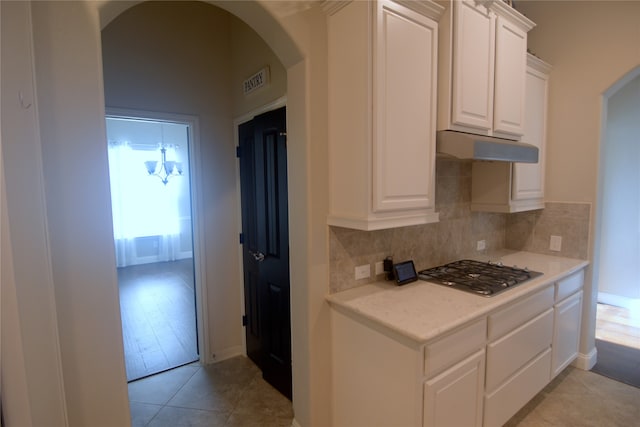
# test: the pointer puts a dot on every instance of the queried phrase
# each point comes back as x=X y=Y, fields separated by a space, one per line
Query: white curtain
x=142 y=206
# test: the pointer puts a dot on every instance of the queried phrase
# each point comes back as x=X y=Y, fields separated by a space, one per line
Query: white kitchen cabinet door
x=382 y=60
x=473 y=65
x=528 y=178
x=510 y=71
x=566 y=334
x=404 y=105
x=455 y=397
x=517 y=187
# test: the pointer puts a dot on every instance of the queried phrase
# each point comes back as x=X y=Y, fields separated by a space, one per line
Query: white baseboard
x=586 y=361
x=633 y=304
x=224 y=354
x=295 y=423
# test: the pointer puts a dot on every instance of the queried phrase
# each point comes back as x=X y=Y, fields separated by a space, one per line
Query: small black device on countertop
x=405 y=272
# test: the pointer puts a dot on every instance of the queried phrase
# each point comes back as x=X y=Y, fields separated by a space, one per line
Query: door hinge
x=241 y=238
x=244 y=320
x=238 y=151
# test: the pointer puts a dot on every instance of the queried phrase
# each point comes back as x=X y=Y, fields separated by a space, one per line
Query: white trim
x=198 y=238
x=632 y=304
x=273 y=105
x=586 y=361
x=227 y=353
x=295 y=423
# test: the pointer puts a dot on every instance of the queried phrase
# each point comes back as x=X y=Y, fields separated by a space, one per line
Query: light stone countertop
x=421 y=311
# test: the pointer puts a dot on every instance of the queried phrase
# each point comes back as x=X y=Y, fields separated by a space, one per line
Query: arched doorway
x=204 y=80
x=618 y=233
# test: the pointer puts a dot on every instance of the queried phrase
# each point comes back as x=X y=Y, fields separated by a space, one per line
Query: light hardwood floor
x=158 y=317
x=618 y=325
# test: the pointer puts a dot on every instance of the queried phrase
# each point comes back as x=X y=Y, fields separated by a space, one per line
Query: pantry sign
x=256 y=81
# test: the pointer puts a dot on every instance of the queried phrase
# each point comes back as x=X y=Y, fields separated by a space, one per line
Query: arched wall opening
x=258 y=18
x=618 y=215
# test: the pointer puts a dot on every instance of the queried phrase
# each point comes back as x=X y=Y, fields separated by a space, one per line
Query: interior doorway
x=618 y=311
x=262 y=151
x=149 y=171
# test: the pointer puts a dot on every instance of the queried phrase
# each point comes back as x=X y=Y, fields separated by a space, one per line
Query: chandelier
x=163 y=169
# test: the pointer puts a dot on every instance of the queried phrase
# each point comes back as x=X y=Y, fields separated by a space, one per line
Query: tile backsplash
x=455 y=236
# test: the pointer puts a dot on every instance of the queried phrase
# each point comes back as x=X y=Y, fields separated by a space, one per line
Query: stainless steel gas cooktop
x=482 y=278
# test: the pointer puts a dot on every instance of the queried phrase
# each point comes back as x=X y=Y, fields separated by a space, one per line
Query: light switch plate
x=363 y=271
x=379 y=268
x=555 y=243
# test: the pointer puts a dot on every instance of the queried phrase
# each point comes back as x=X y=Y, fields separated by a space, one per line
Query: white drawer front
x=569 y=285
x=503 y=403
x=508 y=354
x=516 y=314
x=455 y=347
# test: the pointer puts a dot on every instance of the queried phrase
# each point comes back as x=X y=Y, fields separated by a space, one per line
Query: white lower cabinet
x=508 y=354
x=504 y=402
x=454 y=398
x=567 y=321
x=518 y=355
x=566 y=334
x=479 y=374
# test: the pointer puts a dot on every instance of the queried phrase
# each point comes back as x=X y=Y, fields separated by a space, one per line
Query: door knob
x=258 y=256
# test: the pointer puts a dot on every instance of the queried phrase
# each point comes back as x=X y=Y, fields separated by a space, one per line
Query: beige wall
x=249 y=54
x=590 y=44
x=72 y=133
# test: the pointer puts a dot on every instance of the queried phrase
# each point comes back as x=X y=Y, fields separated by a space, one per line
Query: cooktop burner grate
x=482 y=278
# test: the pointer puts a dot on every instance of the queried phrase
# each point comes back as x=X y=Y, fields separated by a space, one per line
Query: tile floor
x=233 y=393
x=577 y=398
x=227 y=394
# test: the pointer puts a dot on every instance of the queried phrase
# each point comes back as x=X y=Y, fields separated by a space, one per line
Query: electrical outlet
x=481 y=245
x=379 y=268
x=363 y=271
x=555 y=243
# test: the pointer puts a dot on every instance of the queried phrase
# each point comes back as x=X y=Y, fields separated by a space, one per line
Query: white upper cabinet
x=516 y=187
x=382 y=83
x=528 y=178
x=482 y=62
x=473 y=66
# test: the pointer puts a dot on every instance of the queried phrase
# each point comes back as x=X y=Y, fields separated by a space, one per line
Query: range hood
x=464 y=145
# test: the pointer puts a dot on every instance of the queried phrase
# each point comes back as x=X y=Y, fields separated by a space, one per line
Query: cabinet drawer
x=503 y=403
x=516 y=314
x=455 y=347
x=508 y=354
x=569 y=285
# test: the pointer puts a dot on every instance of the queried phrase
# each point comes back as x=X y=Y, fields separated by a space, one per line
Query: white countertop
x=421 y=310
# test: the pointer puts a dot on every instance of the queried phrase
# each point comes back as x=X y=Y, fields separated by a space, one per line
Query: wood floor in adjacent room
x=618 y=325
x=158 y=317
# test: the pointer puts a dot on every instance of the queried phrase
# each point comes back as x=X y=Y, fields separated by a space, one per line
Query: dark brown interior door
x=265 y=237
